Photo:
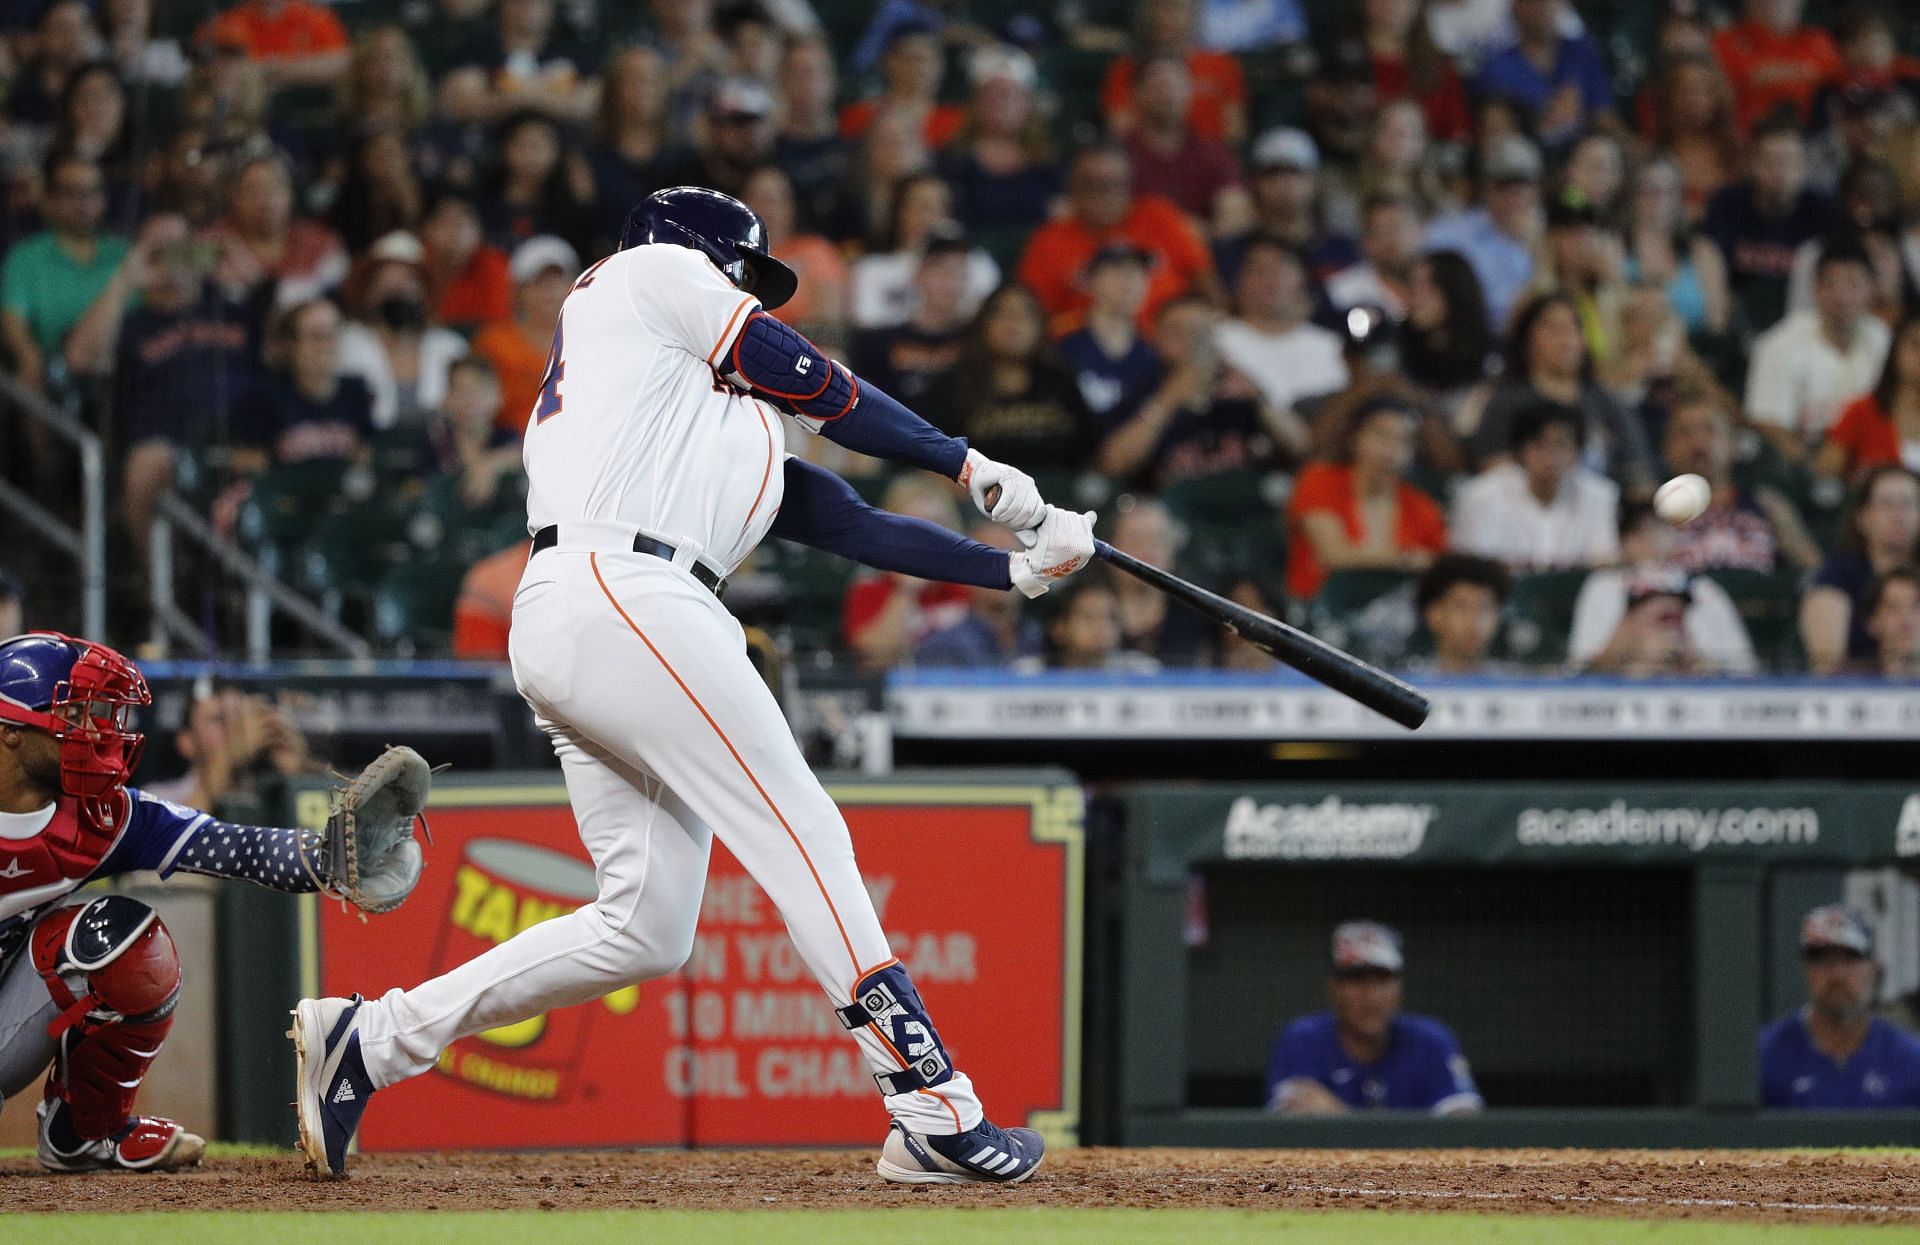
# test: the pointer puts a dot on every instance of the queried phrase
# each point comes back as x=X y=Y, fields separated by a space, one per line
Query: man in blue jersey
x=1365 y=1053
x=1834 y=1053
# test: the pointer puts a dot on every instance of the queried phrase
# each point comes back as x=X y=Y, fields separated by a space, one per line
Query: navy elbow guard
x=776 y=361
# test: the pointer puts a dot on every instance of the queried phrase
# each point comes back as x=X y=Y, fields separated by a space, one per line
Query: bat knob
x=992 y=496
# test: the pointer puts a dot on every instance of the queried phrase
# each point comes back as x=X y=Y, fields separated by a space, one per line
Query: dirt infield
x=1752 y=1185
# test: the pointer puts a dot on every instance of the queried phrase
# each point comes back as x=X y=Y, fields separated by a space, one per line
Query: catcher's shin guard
x=885 y=1001
x=109 y=1034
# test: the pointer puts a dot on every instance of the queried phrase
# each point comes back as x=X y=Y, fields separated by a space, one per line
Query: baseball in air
x=1682 y=499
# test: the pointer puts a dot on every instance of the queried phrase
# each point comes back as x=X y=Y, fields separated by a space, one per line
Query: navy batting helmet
x=719 y=226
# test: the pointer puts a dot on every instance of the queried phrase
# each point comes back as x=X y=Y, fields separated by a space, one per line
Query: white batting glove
x=1059 y=546
x=1019 y=504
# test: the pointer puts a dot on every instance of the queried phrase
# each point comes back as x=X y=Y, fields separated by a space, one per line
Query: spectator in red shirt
x=297 y=43
x=466 y=278
x=1219 y=107
x=1771 y=60
x=1882 y=426
x=1200 y=175
x=884 y=614
x=1360 y=512
x=1101 y=208
x=910 y=70
x=1406 y=65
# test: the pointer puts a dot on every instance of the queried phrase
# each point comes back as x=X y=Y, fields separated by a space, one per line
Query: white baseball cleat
x=981 y=1155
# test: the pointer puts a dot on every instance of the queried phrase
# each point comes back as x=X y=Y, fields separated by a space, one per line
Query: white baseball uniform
x=665 y=732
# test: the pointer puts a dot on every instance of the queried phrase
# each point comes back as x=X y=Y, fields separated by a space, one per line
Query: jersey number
x=549 y=403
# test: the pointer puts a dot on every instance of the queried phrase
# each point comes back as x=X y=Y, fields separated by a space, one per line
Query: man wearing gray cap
x=1834 y=1053
x=1498 y=237
x=1287 y=195
x=1365 y=1053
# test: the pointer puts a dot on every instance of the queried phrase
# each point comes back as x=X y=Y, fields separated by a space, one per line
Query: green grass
x=945 y=1226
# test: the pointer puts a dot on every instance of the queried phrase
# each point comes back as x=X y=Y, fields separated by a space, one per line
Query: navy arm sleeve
x=265 y=855
x=822 y=510
x=779 y=364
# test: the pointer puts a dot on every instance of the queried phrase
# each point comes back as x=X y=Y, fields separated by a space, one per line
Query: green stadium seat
x=413 y=606
x=815 y=585
x=1769 y=603
x=1540 y=616
x=1340 y=613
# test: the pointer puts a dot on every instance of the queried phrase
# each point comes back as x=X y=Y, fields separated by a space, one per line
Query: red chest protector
x=68 y=850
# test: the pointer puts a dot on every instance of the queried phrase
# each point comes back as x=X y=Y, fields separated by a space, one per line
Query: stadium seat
x=1369 y=613
x=413 y=606
x=1769 y=604
x=1540 y=616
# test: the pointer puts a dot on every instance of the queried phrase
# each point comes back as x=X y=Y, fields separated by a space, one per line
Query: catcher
x=90 y=987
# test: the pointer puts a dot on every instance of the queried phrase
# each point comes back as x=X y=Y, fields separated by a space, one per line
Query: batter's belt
x=710 y=579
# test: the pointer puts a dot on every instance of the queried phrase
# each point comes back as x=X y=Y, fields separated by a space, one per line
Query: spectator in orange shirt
x=910 y=70
x=1102 y=208
x=1771 y=59
x=1219 y=108
x=543 y=269
x=483 y=612
x=297 y=43
x=1360 y=512
x=466 y=278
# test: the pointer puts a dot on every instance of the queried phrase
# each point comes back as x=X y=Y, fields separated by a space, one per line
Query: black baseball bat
x=1315 y=658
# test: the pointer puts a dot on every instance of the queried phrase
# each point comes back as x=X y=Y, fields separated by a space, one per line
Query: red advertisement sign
x=977 y=887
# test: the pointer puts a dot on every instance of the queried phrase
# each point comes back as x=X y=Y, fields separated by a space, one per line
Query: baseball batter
x=656 y=463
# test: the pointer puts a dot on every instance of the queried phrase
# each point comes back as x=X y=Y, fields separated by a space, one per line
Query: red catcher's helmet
x=84 y=695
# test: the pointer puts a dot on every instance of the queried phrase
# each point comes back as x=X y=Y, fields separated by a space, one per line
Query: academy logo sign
x=1330 y=830
x=1620 y=824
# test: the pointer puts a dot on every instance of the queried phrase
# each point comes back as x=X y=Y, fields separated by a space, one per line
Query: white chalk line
x=1715 y=1203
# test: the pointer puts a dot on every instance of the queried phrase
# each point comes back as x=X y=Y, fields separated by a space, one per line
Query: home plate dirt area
x=1753 y=1185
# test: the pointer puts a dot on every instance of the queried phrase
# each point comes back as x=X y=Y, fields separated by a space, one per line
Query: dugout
x=1607 y=953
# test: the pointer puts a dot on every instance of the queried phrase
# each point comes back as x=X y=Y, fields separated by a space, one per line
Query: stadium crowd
x=1387 y=316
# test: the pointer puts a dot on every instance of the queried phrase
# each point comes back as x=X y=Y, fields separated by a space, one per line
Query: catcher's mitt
x=368 y=855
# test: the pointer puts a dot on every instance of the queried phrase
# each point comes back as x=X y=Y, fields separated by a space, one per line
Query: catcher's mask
x=84 y=695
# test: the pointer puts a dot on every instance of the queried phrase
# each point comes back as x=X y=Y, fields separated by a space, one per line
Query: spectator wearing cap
x=1893 y=623
x=1271 y=340
x=1651 y=638
x=536 y=184
x=1286 y=193
x=1004 y=163
x=910 y=70
x=13 y=604
x=1498 y=236
x=806 y=140
x=1364 y=1053
x=819 y=305
x=1775 y=62
x=528 y=61
x=466 y=278
x=919 y=216
x=1206 y=417
x=1834 y=1053
x=390 y=340
x=1760 y=221
x=907 y=359
x=296 y=43
x=1112 y=362
x=1459 y=599
x=1603 y=640
x=1559 y=78
x=1359 y=512
x=737 y=139
x=1199 y=175
x=1167 y=27
x=179 y=352
x=1548 y=360
x=1540 y=510
x=1389 y=253
x=1812 y=364
x=1753 y=528
x=543 y=270
x=1102 y=207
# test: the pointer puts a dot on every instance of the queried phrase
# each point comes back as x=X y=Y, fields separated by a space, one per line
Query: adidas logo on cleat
x=343 y=1094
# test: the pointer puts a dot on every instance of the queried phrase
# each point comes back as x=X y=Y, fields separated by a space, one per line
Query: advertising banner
x=978 y=887
x=1523 y=824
